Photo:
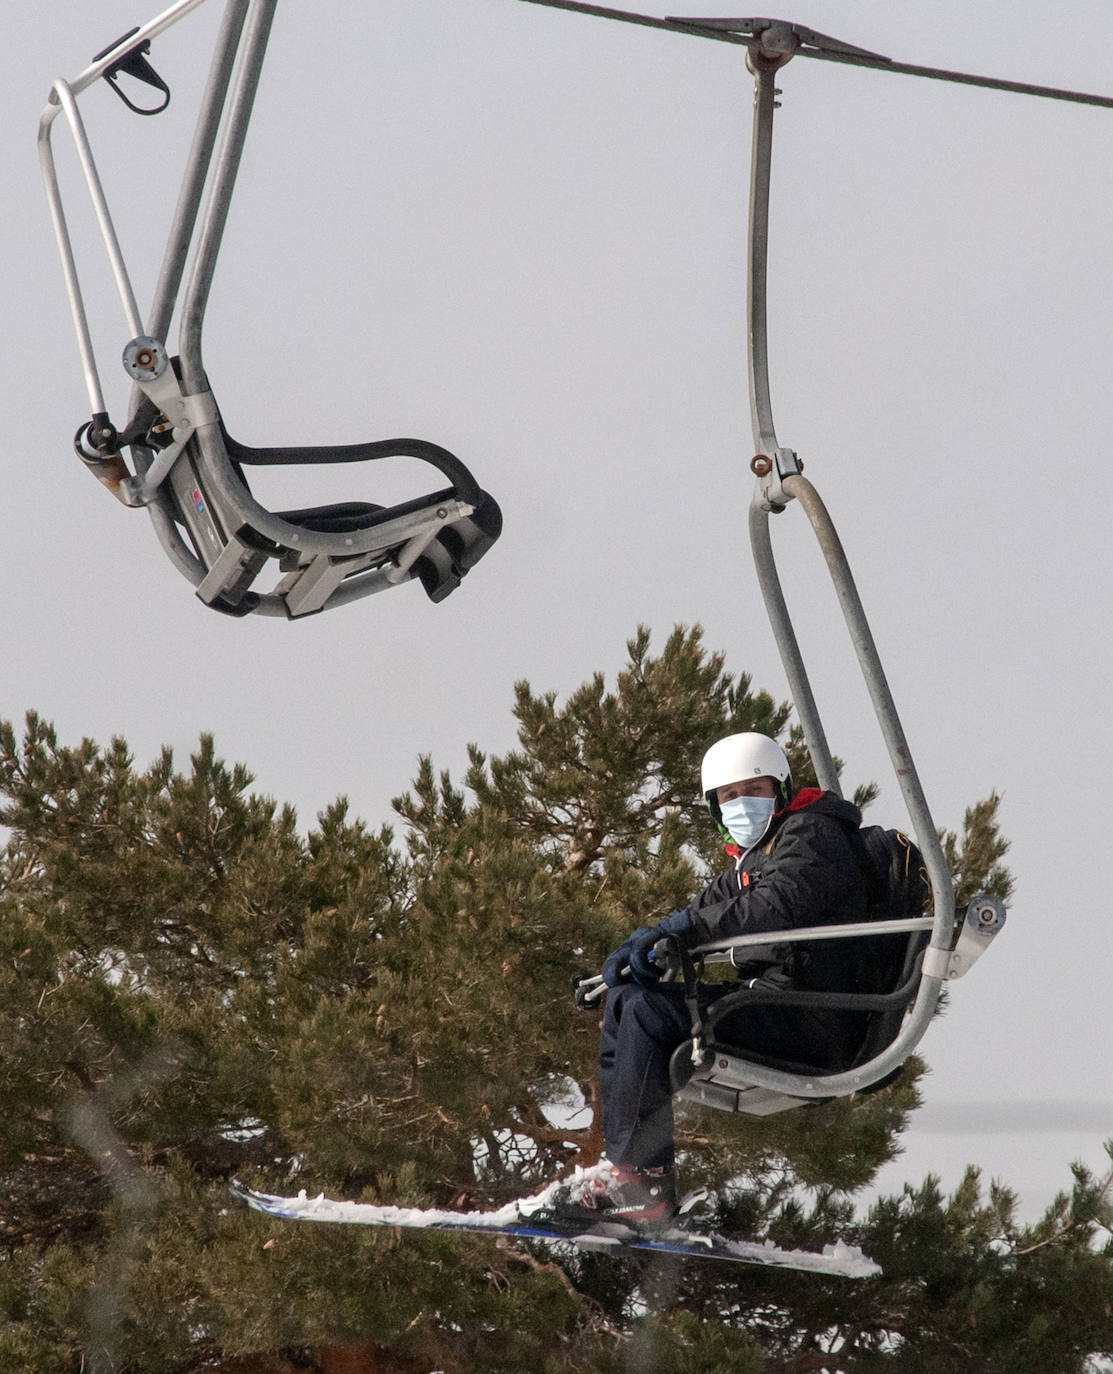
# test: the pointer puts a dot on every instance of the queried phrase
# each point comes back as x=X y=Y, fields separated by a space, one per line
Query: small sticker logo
x=198 y=501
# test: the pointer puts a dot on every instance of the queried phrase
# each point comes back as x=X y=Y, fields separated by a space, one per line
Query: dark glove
x=645 y=970
x=614 y=965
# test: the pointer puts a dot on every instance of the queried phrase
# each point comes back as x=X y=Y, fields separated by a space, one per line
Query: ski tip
x=260 y=1202
x=242 y=1193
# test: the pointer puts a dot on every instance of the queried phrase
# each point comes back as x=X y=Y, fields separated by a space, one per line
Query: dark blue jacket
x=806 y=871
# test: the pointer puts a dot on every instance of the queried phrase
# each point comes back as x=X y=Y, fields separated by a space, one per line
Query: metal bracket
x=724 y=1081
x=231 y=574
x=134 y=62
x=780 y=39
x=771 y=471
x=147 y=363
x=981 y=921
x=410 y=552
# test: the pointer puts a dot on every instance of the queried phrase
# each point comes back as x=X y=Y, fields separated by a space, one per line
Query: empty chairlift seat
x=334 y=552
x=185 y=468
x=224 y=539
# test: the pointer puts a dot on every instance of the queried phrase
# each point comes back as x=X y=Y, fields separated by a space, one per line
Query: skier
x=796 y=863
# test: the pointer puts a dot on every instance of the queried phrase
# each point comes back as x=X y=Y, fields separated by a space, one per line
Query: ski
x=514 y=1220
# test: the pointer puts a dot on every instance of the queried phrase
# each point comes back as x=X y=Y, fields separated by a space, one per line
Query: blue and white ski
x=610 y=1237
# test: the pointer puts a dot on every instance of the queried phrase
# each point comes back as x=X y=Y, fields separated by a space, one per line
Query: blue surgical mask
x=747 y=818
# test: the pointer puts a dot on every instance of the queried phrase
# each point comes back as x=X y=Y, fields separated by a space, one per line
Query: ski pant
x=642 y=1027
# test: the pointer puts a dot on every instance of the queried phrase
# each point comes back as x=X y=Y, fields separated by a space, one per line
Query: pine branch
x=1070 y=1223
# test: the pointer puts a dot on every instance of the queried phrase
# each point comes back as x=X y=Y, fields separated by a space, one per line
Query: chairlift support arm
x=780 y=480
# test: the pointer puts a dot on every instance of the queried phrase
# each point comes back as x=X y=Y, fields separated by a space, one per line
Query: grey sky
x=520 y=233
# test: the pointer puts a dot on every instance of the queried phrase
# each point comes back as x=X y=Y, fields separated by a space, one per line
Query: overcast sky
x=521 y=233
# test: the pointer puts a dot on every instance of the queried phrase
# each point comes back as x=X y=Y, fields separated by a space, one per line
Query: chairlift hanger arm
x=720 y=951
x=781 y=481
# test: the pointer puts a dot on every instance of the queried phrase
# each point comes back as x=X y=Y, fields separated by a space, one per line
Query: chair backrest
x=719 y=1079
x=883 y=1026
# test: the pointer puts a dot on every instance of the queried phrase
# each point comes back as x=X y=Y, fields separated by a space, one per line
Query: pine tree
x=192 y=989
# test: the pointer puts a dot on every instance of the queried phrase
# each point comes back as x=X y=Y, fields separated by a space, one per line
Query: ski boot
x=641 y=1199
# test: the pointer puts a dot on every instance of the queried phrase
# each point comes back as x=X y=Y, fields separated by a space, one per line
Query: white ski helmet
x=738 y=757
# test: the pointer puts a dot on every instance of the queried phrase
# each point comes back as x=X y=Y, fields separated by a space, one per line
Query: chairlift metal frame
x=732 y=1080
x=718 y=1074
x=186 y=469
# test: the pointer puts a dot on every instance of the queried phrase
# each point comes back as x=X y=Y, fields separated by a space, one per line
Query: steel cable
x=881 y=64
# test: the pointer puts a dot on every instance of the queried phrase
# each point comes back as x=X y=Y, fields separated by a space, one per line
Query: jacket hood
x=826 y=803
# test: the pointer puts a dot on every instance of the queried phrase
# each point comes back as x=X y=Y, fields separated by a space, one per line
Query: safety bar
x=721 y=951
x=592 y=988
x=780 y=481
x=976 y=927
x=63 y=100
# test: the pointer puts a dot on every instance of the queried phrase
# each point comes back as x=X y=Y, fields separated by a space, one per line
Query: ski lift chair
x=906 y=962
x=925 y=950
x=713 y=1070
x=185 y=467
